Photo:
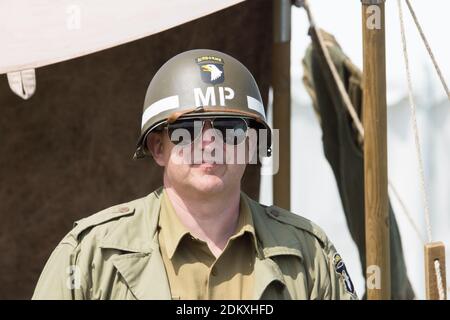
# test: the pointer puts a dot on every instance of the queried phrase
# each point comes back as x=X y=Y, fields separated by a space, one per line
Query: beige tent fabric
x=23 y=83
x=40 y=32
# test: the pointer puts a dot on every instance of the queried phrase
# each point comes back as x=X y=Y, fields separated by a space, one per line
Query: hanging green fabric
x=343 y=148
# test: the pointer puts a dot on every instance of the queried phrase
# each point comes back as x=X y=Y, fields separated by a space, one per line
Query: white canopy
x=36 y=33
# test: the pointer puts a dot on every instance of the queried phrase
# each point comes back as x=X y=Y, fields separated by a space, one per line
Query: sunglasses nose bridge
x=207 y=124
x=204 y=131
x=208 y=134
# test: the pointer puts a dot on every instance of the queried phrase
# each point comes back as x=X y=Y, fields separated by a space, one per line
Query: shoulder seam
x=101 y=217
x=299 y=222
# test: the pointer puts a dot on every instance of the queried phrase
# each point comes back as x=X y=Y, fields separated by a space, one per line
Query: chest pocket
x=296 y=284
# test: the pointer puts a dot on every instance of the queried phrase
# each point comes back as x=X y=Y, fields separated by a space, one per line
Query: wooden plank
x=375 y=150
x=434 y=251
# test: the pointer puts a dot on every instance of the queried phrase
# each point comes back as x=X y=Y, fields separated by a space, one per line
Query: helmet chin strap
x=176 y=115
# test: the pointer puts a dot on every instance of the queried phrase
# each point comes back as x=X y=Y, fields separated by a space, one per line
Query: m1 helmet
x=200 y=83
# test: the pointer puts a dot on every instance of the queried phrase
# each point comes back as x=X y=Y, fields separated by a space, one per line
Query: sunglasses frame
x=211 y=120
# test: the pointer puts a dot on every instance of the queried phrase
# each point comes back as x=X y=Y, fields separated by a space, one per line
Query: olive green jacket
x=115 y=254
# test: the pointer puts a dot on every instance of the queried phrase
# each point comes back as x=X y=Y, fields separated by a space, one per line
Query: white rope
x=305 y=5
x=437 y=268
x=335 y=74
x=359 y=126
x=427 y=45
x=337 y=79
x=406 y=212
x=439 y=281
x=414 y=124
x=351 y=109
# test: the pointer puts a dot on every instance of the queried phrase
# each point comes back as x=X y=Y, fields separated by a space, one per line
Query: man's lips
x=206 y=165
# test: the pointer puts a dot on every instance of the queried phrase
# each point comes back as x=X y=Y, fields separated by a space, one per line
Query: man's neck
x=211 y=218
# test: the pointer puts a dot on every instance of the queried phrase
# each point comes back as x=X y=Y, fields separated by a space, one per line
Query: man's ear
x=155 y=146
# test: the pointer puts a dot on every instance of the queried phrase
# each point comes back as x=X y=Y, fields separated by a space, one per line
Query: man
x=198 y=237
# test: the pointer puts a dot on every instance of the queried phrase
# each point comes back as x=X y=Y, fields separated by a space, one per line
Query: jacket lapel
x=274 y=241
x=140 y=263
x=144 y=274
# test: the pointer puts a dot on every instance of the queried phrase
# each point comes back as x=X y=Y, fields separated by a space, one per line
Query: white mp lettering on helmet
x=209 y=97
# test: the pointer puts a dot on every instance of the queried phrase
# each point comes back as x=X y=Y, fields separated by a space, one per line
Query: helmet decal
x=211 y=69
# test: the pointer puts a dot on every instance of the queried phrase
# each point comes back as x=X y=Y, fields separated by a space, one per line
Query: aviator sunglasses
x=233 y=130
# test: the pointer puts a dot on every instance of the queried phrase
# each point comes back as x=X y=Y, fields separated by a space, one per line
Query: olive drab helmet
x=200 y=83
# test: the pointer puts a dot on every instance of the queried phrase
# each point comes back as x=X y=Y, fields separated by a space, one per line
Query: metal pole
x=375 y=151
x=281 y=85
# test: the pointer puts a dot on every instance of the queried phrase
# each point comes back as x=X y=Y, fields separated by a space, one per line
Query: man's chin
x=208 y=183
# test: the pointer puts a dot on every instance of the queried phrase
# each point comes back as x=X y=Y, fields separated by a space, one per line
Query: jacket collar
x=141 y=264
x=273 y=238
x=273 y=241
x=136 y=232
x=173 y=230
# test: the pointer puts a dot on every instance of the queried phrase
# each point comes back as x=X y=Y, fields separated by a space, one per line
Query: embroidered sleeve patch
x=341 y=270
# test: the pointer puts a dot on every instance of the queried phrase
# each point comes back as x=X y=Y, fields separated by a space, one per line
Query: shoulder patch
x=100 y=218
x=341 y=270
x=297 y=221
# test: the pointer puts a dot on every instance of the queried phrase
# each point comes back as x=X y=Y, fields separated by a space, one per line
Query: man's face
x=206 y=166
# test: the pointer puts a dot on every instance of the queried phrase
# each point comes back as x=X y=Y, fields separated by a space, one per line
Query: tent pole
x=281 y=85
x=375 y=151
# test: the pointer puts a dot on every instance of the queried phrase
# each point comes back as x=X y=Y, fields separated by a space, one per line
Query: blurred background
x=312 y=178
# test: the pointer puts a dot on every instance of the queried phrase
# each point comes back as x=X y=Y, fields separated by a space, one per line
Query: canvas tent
x=59 y=31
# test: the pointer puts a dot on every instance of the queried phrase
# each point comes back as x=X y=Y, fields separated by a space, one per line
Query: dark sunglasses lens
x=234 y=131
x=183 y=132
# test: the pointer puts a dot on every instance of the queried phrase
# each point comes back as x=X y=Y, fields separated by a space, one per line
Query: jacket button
x=275 y=213
x=214 y=271
x=123 y=209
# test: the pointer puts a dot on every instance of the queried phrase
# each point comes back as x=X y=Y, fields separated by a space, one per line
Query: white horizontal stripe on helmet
x=159 y=106
x=256 y=105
